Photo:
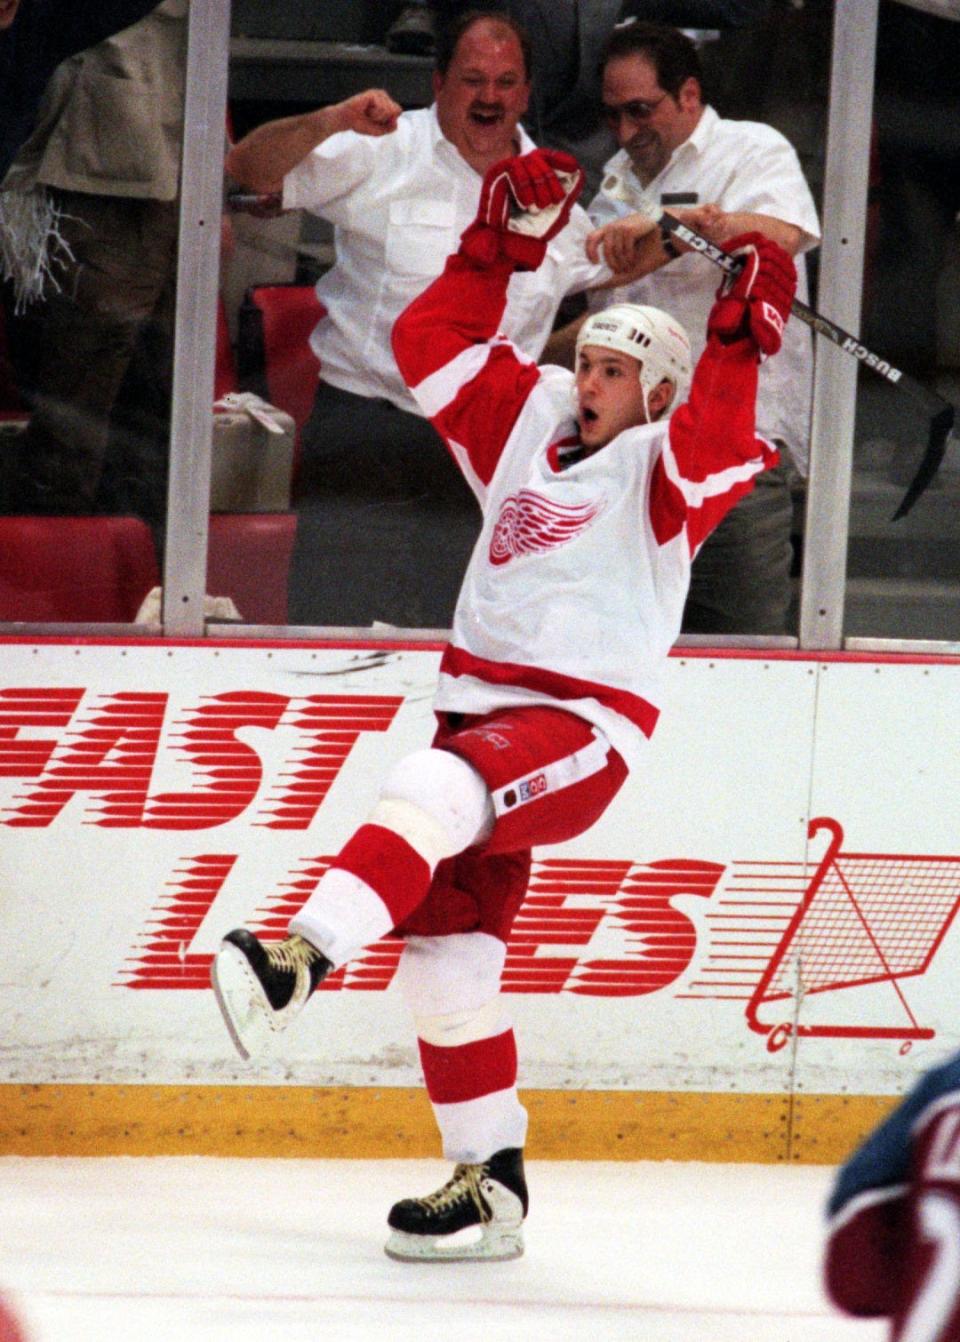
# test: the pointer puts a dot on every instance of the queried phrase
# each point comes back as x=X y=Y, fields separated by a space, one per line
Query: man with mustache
x=385 y=522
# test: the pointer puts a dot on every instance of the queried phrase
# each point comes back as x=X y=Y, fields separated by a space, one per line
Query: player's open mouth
x=486 y=118
x=588 y=416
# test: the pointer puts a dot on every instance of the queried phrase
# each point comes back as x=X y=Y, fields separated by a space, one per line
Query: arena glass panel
x=90 y=211
x=774 y=69
x=791 y=43
x=903 y=576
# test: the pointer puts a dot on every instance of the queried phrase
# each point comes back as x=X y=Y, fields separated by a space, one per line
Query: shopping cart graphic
x=865 y=918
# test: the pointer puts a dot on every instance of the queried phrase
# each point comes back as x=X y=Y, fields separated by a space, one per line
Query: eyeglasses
x=636 y=110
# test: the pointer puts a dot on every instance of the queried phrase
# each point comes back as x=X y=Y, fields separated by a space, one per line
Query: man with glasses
x=725 y=178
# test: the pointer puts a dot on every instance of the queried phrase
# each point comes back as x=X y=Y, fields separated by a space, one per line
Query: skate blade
x=495 y=1245
x=240 y=998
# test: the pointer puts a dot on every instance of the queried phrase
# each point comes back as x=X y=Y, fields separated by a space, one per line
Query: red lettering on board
x=569 y=903
x=109 y=752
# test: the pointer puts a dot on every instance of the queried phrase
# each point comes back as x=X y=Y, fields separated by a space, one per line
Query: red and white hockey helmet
x=649 y=335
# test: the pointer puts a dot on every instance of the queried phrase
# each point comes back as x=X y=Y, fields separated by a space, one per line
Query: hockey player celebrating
x=594 y=503
x=893 y=1246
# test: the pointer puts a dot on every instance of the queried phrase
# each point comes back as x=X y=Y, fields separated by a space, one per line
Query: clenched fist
x=524 y=202
x=372 y=112
x=756 y=301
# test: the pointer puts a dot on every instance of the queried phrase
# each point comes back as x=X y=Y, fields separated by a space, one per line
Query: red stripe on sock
x=469 y=1071
x=390 y=866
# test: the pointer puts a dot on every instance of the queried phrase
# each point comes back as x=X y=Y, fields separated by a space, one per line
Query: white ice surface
x=204 y=1250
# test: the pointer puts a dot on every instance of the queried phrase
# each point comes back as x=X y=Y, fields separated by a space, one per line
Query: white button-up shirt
x=740 y=166
x=399 y=204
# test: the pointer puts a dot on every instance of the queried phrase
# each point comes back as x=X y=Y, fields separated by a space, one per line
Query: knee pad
x=437 y=802
x=444 y=976
x=452 y=986
x=463 y=1027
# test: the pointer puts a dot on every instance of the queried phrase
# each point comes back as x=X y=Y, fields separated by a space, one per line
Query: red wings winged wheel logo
x=529 y=523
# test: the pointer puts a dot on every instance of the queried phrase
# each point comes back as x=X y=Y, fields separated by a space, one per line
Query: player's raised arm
x=469 y=382
x=261 y=160
x=524 y=202
x=714 y=452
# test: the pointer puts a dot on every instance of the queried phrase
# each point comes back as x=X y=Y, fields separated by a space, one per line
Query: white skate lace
x=465 y=1183
x=292 y=955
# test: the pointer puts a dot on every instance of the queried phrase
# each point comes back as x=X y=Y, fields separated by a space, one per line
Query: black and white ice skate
x=478 y=1214
x=261 y=987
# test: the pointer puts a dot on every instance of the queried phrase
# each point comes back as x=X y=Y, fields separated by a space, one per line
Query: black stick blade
x=940 y=426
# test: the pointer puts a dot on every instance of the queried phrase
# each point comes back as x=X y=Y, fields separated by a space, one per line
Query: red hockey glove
x=524 y=202
x=756 y=302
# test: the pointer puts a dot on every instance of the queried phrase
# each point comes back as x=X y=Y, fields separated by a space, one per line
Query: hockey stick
x=941 y=411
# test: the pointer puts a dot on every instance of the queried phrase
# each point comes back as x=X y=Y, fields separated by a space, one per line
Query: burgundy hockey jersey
x=575 y=590
x=893 y=1244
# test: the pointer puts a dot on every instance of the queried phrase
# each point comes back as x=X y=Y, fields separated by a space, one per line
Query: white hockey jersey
x=575 y=591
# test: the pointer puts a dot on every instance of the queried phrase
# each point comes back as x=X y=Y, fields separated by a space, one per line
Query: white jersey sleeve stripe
x=696 y=492
x=437 y=391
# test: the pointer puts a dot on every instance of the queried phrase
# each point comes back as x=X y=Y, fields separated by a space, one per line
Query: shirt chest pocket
x=421 y=234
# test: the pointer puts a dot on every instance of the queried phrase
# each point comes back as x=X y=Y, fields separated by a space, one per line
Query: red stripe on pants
x=390 y=866
x=469 y=1071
